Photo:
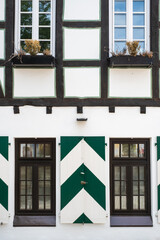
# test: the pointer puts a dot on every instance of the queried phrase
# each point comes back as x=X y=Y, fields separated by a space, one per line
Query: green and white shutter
x=4 y=179
x=83 y=182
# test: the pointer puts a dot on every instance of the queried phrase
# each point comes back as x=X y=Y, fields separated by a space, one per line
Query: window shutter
x=83 y=180
x=4 y=179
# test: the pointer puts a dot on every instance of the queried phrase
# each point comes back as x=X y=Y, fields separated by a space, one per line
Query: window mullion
x=129 y=20
x=35 y=18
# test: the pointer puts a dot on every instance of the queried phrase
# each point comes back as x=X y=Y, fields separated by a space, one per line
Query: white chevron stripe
x=93 y=210
x=4 y=216
x=4 y=171
x=71 y=162
x=94 y=162
x=73 y=209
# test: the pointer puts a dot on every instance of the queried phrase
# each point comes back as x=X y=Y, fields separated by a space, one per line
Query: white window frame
x=35 y=23
x=129 y=23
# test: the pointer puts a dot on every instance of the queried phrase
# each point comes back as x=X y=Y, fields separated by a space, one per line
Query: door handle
x=83 y=182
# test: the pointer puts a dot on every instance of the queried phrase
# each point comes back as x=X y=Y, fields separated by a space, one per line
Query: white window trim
x=35 y=22
x=130 y=21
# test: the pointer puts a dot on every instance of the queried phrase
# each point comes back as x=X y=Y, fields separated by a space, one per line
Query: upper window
x=35 y=19
x=130 y=22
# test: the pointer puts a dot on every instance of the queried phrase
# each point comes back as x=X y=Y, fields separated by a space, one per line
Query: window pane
x=119 y=46
x=29 y=202
x=29 y=173
x=123 y=202
x=135 y=187
x=47 y=188
x=30 y=150
x=45 y=45
x=141 y=150
x=44 y=19
x=22 y=173
x=120 y=33
x=120 y=19
x=47 y=202
x=22 y=187
x=116 y=150
x=142 y=202
x=44 y=6
x=47 y=150
x=47 y=173
x=39 y=150
x=29 y=188
x=142 y=45
x=26 y=6
x=138 y=20
x=141 y=173
x=22 y=150
x=117 y=187
x=117 y=202
x=141 y=187
x=116 y=173
x=124 y=150
x=133 y=150
x=123 y=173
x=135 y=202
x=41 y=173
x=41 y=188
x=26 y=19
x=135 y=173
x=120 y=5
x=44 y=33
x=138 y=33
x=41 y=202
x=138 y=6
x=26 y=33
x=123 y=188
x=22 y=202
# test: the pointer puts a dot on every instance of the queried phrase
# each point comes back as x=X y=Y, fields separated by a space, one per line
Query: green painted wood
x=158 y=148
x=3 y=194
x=98 y=145
x=67 y=144
x=4 y=147
x=71 y=187
x=83 y=219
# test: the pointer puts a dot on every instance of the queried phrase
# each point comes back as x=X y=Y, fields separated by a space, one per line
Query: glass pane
x=41 y=173
x=142 y=45
x=123 y=188
x=47 y=150
x=123 y=202
x=29 y=173
x=41 y=188
x=120 y=6
x=141 y=187
x=138 y=33
x=44 y=45
x=30 y=150
x=47 y=173
x=124 y=150
x=44 y=19
x=135 y=202
x=117 y=187
x=44 y=6
x=22 y=173
x=26 y=6
x=138 y=20
x=29 y=202
x=117 y=202
x=47 y=188
x=41 y=202
x=142 y=202
x=133 y=150
x=22 y=202
x=22 y=45
x=29 y=188
x=120 y=33
x=22 y=187
x=123 y=173
x=120 y=19
x=135 y=187
x=22 y=150
x=135 y=173
x=138 y=6
x=26 y=33
x=141 y=150
x=116 y=150
x=44 y=33
x=116 y=173
x=48 y=202
x=119 y=46
x=26 y=19
x=141 y=173
x=39 y=150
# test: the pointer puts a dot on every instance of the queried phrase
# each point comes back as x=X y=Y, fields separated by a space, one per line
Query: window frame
x=129 y=24
x=35 y=162
x=36 y=23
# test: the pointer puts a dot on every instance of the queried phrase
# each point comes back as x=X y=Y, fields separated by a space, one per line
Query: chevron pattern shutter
x=158 y=174
x=83 y=160
x=4 y=179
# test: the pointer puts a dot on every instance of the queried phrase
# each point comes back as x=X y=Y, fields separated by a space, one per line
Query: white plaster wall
x=2 y=10
x=81 y=43
x=2 y=79
x=34 y=82
x=78 y=82
x=81 y=10
x=2 y=44
x=130 y=82
x=125 y=122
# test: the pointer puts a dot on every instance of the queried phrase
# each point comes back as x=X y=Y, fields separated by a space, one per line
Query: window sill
x=34 y=221
x=130 y=61
x=34 y=61
x=131 y=221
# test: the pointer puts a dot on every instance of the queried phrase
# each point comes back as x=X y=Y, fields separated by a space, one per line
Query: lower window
x=35 y=182
x=130 y=182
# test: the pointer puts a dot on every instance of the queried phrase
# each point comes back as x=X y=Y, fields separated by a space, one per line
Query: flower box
x=34 y=61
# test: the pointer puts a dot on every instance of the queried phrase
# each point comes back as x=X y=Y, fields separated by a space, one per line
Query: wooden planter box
x=130 y=61
x=34 y=61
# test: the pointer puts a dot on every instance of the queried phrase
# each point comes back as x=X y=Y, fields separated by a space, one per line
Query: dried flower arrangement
x=32 y=47
x=133 y=48
x=46 y=52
